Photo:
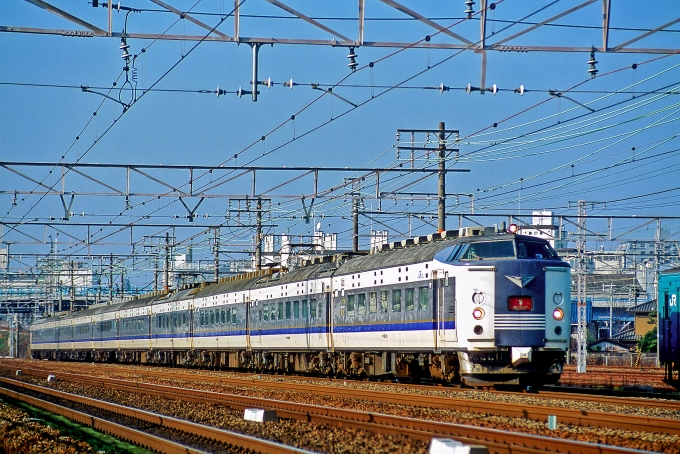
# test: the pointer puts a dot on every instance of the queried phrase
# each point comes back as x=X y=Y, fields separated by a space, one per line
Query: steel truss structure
x=481 y=41
x=444 y=35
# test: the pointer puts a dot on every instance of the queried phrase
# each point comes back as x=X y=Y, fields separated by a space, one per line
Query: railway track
x=167 y=426
x=496 y=440
x=404 y=396
x=537 y=413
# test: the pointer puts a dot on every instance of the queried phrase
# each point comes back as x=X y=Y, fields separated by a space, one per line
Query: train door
x=665 y=329
x=444 y=305
x=328 y=320
x=247 y=305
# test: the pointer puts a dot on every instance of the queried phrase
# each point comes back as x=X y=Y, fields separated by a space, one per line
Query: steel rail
x=152 y=442
x=496 y=440
x=117 y=430
x=407 y=399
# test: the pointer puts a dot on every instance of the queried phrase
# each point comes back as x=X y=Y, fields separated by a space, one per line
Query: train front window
x=535 y=250
x=489 y=250
x=508 y=249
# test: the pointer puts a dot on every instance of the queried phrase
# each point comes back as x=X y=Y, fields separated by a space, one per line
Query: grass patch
x=99 y=441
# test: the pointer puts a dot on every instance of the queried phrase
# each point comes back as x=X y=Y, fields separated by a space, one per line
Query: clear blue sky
x=619 y=149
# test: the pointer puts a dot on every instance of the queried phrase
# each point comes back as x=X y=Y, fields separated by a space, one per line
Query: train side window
x=296 y=309
x=361 y=304
x=350 y=304
x=233 y=316
x=212 y=317
x=408 y=299
x=312 y=309
x=384 y=301
x=396 y=300
x=372 y=302
x=201 y=318
x=280 y=314
x=223 y=313
x=452 y=255
x=287 y=310
x=273 y=312
x=265 y=310
x=305 y=311
x=228 y=315
x=423 y=298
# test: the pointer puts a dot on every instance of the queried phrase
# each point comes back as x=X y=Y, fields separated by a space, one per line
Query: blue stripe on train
x=364 y=328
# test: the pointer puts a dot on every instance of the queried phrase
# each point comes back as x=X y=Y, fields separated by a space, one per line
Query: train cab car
x=512 y=306
x=669 y=325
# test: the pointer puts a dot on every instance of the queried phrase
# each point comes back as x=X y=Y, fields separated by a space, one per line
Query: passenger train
x=477 y=307
x=669 y=325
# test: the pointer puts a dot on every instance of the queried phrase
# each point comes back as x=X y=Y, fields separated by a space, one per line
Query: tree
x=648 y=342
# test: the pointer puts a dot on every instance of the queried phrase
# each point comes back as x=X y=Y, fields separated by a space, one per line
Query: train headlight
x=558 y=298
x=558 y=314
x=478 y=313
x=512 y=228
x=478 y=298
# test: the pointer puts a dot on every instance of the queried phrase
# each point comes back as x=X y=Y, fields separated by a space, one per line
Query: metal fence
x=614 y=359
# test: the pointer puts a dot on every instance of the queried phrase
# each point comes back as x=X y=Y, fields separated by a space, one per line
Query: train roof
x=177 y=295
x=238 y=284
x=396 y=257
x=302 y=273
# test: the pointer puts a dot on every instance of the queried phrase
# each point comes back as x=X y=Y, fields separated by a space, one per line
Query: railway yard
x=179 y=410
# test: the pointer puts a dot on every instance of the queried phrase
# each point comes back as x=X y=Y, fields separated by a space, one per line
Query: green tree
x=648 y=342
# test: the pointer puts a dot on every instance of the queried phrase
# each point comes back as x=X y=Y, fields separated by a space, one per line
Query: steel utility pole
x=258 y=223
x=581 y=292
x=423 y=151
x=355 y=224
x=73 y=287
x=216 y=245
x=258 y=236
x=441 y=182
x=166 y=269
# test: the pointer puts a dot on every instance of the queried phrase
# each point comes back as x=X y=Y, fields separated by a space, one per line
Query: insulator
x=289 y=84
x=352 y=59
x=469 y=11
x=520 y=90
x=124 y=46
x=240 y=92
x=592 y=62
x=398 y=136
x=493 y=89
x=443 y=88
